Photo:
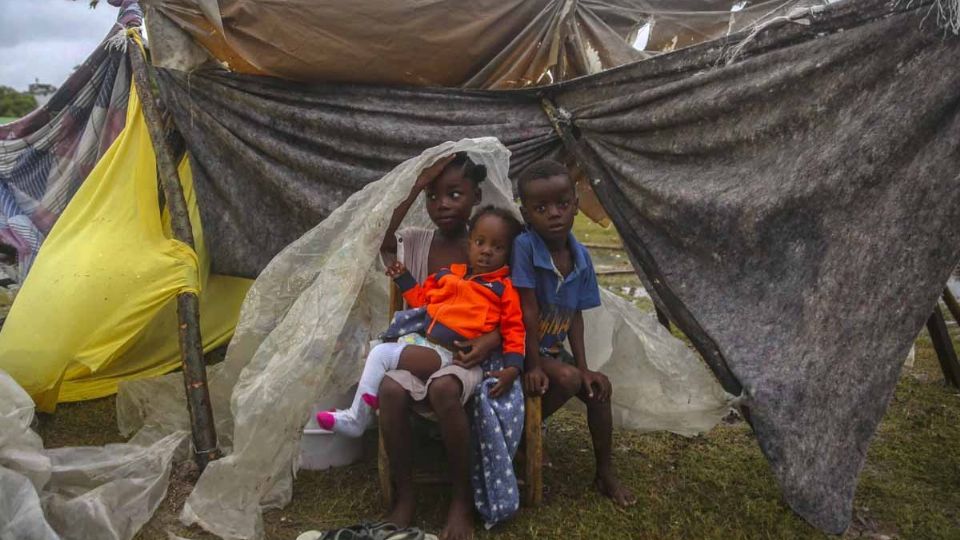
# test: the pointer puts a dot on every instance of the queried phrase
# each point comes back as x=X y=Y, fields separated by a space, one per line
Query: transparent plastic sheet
x=303 y=331
x=106 y=492
x=305 y=327
x=659 y=384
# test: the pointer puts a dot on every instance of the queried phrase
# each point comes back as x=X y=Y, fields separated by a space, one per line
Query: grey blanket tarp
x=801 y=201
x=259 y=147
x=803 y=204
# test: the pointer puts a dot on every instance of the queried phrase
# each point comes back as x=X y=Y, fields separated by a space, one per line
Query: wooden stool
x=532 y=434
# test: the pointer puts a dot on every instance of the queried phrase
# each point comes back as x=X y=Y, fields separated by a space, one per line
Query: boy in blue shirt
x=555 y=278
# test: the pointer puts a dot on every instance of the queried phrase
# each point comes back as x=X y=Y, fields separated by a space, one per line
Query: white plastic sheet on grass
x=659 y=384
x=106 y=492
x=304 y=330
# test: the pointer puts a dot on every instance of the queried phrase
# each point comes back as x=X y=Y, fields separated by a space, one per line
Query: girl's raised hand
x=428 y=175
x=395 y=269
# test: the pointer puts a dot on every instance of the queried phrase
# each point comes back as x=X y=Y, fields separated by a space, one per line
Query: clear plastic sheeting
x=20 y=512
x=659 y=384
x=305 y=327
x=104 y=492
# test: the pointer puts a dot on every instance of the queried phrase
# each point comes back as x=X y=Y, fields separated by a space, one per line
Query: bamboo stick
x=594 y=245
x=188 y=305
x=614 y=271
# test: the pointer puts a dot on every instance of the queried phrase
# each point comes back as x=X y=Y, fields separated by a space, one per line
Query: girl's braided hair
x=471 y=171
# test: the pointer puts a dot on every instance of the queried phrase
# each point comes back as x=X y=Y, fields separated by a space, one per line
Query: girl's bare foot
x=459 y=522
x=609 y=486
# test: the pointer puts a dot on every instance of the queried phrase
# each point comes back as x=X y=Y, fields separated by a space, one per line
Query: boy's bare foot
x=459 y=522
x=401 y=514
x=609 y=486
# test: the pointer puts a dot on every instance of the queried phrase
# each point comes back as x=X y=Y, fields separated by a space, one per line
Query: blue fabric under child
x=497 y=427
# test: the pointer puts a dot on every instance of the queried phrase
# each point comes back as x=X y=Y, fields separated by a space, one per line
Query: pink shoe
x=371 y=400
x=326 y=420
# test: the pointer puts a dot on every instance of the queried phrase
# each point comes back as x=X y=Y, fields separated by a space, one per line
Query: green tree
x=15 y=104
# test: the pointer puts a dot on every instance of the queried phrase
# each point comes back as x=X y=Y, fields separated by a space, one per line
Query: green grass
x=718 y=486
x=6 y=119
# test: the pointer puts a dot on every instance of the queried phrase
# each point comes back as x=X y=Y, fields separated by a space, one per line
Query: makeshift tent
x=105 y=492
x=765 y=183
x=105 y=282
x=772 y=187
x=104 y=288
x=309 y=318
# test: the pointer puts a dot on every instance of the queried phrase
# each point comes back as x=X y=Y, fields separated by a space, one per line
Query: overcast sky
x=45 y=39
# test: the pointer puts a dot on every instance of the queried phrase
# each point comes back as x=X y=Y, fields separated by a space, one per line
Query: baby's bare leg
x=422 y=362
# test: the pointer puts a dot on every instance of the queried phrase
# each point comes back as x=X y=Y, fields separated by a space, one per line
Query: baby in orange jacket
x=455 y=304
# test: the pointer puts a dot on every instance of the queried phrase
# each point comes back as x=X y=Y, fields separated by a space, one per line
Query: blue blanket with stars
x=497 y=427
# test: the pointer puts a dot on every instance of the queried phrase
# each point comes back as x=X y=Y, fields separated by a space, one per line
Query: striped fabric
x=46 y=155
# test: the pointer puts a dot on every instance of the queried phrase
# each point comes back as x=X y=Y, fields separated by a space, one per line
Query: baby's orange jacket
x=463 y=308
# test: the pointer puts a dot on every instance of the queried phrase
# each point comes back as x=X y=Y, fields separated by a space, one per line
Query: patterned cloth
x=46 y=155
x=497 y=427
x=407 y=321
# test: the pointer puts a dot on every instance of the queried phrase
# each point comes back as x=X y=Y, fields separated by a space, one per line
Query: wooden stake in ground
x=188 y=305
x=533 y=466
x=943 y=344
x=952 y=304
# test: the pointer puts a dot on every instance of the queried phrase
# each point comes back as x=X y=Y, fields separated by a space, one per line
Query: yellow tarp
x=99 y=305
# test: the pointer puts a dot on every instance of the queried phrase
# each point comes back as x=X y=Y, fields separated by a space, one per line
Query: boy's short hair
x=545 y=168
x=474 y=172
x=514 y=225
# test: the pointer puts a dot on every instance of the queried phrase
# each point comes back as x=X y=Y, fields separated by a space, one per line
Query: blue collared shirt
x=559 y=297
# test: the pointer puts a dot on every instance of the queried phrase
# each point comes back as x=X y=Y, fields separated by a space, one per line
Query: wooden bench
x=532 y=489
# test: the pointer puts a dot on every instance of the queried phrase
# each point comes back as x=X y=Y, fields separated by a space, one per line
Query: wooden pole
x=681 y=315
x=533 y=444
x=943 y=344
x=952 y=305
x=188 y=305
x=662 y=317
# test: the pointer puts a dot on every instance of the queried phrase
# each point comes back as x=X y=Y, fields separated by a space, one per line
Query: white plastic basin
x=321 y=449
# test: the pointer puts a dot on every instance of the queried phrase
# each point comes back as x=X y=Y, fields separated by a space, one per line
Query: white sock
x=353 y=421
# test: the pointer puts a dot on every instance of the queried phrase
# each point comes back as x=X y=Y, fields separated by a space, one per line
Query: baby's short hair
x=513 y=224
x=545 y=168
x=474 y=172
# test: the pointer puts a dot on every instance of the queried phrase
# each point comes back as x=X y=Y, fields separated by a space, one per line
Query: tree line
x=15 y=104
